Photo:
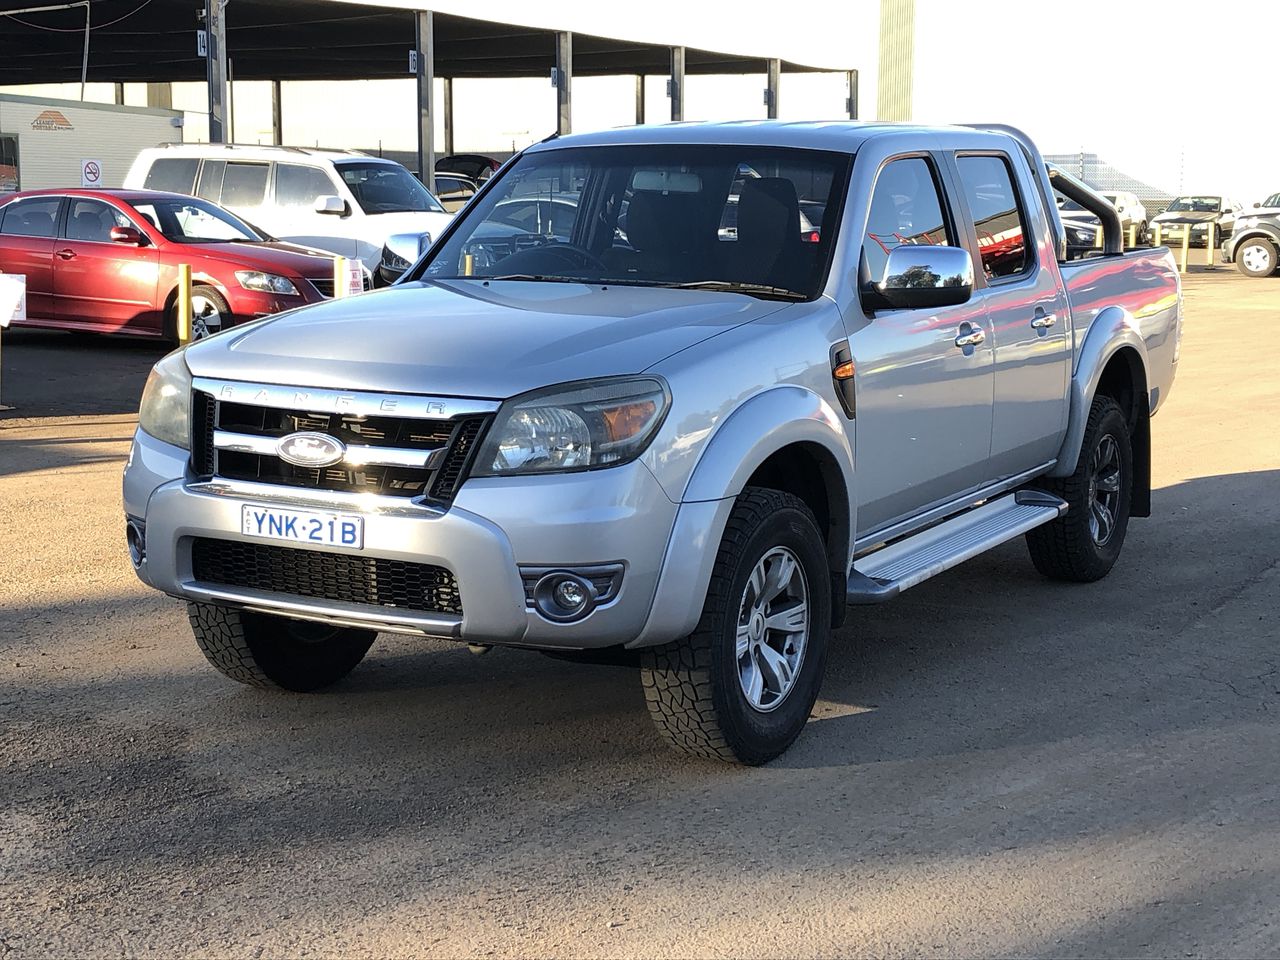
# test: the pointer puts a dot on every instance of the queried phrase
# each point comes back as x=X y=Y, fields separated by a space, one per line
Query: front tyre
x=1084 y=543
x=1256 y=257
x=261 y=650
x=741 y=686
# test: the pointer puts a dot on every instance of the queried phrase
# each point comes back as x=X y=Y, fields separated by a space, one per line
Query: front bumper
x=494 y=528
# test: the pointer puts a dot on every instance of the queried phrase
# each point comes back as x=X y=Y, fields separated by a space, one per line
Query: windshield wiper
x=737 y=286
x=538 y=277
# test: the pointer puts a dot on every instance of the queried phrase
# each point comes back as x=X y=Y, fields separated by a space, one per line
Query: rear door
x=923 y=399
x=98 y=283
x=28 y=229
x=1021 y=291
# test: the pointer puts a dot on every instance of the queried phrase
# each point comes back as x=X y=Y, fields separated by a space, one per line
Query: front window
x=386 y=188
x=194 y=221
x=757 y=220
x=1196 y=205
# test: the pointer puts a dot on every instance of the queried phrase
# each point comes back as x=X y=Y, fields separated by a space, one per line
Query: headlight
x=574 y=427
x=266 y=282
x=165 y=412
x=393 y=260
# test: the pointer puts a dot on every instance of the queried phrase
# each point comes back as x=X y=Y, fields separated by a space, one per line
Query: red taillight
x=813 y=237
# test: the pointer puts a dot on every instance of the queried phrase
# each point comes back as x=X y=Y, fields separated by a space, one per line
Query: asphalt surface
x=998 y=765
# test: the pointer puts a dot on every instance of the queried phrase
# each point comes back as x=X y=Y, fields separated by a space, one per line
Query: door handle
x=1044 y=321
x=974 y=337
x=65 y=254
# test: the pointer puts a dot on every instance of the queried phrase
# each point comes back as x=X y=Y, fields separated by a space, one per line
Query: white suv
x=344 y=202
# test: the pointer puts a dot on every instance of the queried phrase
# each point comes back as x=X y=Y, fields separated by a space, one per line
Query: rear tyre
x=741 y=686
x=1083 y=544
x=265 y=651
x=1256 y=257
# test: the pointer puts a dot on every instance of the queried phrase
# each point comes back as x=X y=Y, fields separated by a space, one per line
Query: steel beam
x=851 y=103
x=447 y=83
x=277 y=119
x=216 y=69
x=426 y=44
x=119 y=93
x=639 y=98
x=564 y=82
x=675 y=86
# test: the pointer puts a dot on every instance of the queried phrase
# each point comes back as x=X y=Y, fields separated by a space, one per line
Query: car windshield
x=1272 y=201
x=741 y=218
x=1068 y=206
x=386 y=188
x=1196 y=205
x=196 y=221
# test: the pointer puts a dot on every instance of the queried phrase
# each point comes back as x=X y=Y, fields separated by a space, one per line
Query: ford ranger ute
x=751 y=375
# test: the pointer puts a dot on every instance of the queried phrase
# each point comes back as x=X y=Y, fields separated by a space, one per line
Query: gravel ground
x=998 y=765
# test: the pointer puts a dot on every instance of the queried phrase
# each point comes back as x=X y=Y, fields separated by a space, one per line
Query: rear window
x=997 y=215
x=244 y=184
x=37 y=217
x=173 y=174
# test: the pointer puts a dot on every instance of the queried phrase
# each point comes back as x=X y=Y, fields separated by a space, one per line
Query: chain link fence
x=1103 y=177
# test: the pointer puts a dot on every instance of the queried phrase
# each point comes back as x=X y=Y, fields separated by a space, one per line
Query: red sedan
x=106 y=261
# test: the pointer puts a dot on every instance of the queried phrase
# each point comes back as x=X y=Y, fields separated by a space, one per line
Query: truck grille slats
x=326 y=576
x=439 y=482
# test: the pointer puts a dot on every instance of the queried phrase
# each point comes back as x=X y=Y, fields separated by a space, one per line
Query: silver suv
x=618 y=430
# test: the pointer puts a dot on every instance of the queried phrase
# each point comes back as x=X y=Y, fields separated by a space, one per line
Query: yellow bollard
x=1097 y=240
x=339 y=277
x=1133 y=236
x=184 y=303
x=468 y=264
x=1209 y=245
x=1155 y=240
x=1186 y=247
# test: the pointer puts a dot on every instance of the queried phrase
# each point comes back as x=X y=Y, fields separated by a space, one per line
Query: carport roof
x=137 y=40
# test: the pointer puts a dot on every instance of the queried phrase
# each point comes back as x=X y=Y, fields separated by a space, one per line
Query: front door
x=293 y=212
x=27 y=231
x=97 y=283
x=1027 y=311
x=923 y=429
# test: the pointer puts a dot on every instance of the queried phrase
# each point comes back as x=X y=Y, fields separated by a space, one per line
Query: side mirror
x=332 y=205
x=128 y=235
x=920 y=277
x=1256 y=204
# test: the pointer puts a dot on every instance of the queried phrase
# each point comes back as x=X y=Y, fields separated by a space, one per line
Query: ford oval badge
x=310 y=450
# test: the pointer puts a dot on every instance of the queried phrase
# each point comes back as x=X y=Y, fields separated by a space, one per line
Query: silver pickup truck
x=702 y=389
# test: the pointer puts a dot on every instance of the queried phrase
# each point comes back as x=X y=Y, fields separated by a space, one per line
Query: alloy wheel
x=1104 y=489
x=773 y=629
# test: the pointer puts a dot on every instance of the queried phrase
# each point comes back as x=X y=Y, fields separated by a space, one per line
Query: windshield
x=1196 y=204
x=1068 y=206
x=751 y=219
x=195 y=221
x=386 y=188
x=1272 y=201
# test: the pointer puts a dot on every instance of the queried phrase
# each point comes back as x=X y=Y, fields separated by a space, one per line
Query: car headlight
x=393 y=260
x=165 y=412
x=266 y=282
x=574 y=427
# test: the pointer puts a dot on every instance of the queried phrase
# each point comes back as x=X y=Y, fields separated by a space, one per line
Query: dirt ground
x=998 y=765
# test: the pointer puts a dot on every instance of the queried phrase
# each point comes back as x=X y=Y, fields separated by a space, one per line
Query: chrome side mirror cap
x=921 y=277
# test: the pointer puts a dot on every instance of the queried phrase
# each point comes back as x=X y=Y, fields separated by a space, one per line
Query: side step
x=884 y=574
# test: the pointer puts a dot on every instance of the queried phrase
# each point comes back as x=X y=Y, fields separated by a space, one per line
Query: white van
x=336 y=200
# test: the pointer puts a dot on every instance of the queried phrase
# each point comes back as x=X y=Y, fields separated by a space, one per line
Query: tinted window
x=905 y=208
x=244 y=184
x=93 y=220
x=997 y=215
x=173 y=174
x=386 y=187
x=298 y=186
x=37 y=217
x=210 y=185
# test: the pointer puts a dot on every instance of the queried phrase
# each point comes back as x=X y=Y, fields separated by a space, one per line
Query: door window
x=299 y=186
x=210 y=185
x=8 y=164
x=244 y=184
x=37 y=217
x=906 y=208
x=172 y=174
x=92 y=220
x=997 y=215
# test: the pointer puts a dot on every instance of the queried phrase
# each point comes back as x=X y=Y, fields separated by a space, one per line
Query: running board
x=884 y=574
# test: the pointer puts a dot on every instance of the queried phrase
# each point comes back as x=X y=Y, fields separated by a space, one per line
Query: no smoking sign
x=90 y=173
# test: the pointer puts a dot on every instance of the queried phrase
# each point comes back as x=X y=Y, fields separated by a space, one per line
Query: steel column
x=447 y=82
x=771 y=91
x=639 y=98
x=119 y=93
x=216 y=72
x=564 y=81
x=426 y=44
x=277 y=119
x=851 y=104
x=675 y=86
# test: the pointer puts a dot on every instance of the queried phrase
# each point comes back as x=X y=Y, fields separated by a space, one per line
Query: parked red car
x=106 y=261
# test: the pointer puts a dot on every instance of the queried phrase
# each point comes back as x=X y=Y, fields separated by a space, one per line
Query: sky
x=1152 y=87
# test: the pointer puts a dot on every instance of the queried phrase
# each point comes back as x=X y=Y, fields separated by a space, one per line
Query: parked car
x=1195 y=213
x=1133 y=212
x=342 y=202
x=475 y=166
x=689 y=449
x=1254 y=245
x=1081 y=228
x=454 y=191
x=1271 y=203
x=106 y=261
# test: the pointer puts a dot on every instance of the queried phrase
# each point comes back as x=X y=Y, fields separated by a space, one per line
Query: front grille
x=325 y=286
x=457 y=437
x=326 y=576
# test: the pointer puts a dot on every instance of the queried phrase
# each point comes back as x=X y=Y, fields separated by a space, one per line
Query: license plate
x=303 y=526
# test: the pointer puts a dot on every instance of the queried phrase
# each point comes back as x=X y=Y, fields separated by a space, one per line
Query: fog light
x=563 y=596
x=135 y=535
